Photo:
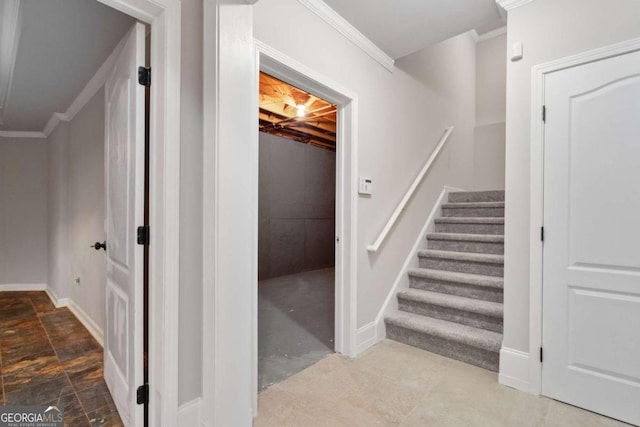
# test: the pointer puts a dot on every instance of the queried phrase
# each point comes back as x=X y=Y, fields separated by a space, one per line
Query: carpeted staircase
x=454 y=304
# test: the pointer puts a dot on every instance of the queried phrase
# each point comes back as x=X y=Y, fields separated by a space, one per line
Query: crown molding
x=509 y=5
x=488 y=35
x=334 y=19
x=492 y=34
x=10 y=27
x=86 y=94
x=21 y=134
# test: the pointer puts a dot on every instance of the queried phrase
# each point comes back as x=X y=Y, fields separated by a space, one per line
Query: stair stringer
x=390 y=304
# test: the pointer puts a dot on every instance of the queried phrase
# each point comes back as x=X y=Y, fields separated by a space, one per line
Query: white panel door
x=124 y=135
x=591 y=290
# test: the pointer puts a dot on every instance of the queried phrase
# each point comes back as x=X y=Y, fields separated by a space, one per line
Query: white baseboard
x=514 y=369
x=23 y=287
x=58 y=302
x=82 y=316
x=189 y=413
x=390 y=304
x=365 y=337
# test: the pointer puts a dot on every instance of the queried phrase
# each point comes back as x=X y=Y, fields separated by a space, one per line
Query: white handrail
x=403 y=203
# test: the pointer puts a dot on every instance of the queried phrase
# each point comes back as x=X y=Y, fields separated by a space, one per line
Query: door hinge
x=544 y=113
x=143 y=235
x=540 y=354
x=542 y=234
x=142 y=394
x=144 y=76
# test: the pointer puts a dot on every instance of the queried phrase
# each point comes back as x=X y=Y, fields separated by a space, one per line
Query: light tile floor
x=397 y=385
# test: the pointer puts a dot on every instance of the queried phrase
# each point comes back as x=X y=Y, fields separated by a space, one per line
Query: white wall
x=549 y=30
x=58 y=212
x=190 y=328
x=491 y=80
x=489 y=134
x=23 y=211
x=296 y=214
x=77 y=211
x=402 y=115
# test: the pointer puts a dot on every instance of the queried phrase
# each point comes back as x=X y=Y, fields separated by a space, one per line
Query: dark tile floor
x=48 y=358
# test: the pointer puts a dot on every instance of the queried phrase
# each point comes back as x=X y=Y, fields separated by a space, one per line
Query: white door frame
x=279 y=65
x=230 y=207
x=164 y=16
x=538 y=74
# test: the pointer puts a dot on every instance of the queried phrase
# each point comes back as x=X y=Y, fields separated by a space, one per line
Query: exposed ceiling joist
x=10 y=26
x=292 y=113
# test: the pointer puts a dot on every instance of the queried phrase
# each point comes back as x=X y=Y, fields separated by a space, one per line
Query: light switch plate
x=366 y=186
x=517 y=51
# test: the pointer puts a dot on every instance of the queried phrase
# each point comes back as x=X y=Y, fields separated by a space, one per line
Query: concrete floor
x=295 y=323
x=393 y=384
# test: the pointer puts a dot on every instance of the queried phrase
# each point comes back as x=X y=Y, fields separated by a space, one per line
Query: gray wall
x=296 y=207
x=23 y=211
x=76 y=210
x=489 y=133
x=549 y=30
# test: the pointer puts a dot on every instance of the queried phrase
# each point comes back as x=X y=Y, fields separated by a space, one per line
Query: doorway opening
x=74 y=128
x=296 y=231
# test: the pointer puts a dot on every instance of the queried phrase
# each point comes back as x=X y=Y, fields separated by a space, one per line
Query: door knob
x=97 y=246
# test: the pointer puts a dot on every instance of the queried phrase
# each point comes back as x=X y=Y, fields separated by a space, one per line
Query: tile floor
x=48 y=358
x=396 y=385
x=295 y=323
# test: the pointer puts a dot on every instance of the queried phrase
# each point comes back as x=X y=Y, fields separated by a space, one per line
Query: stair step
x=476 y=196
x=487 y=288
x=480 y=225
x=461 y=342
x=462 y=262
x=467 y=311
x=466 y=242
x=473 y=209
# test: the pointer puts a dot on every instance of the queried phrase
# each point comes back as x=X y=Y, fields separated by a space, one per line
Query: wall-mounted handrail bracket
x=403 y=203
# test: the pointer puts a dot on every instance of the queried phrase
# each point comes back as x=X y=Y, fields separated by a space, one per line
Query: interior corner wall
x=23 y=211
x=191 y=193
x=402 y=116
x=491 y=100
x=549 y=30
x=297 y=189
x=77 y=209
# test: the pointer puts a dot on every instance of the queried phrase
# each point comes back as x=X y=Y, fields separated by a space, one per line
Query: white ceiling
x=62 y=44
x=401 y=27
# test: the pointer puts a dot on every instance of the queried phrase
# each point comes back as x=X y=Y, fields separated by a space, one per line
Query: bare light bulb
x=301 y=110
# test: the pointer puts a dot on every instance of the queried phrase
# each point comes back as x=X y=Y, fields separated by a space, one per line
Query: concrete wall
x=77 y=210
x=401 y=117
x=489 y=134
x=549 y=30
x=296 y=207
x=23 y=211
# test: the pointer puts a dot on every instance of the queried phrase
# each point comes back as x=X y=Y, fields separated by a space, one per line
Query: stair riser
x=485 y=196
x=496 y=270
x=495 y=229
x=454 y=350
x=459 y=289
x=465 y=246
x=452 y=315
x=473 y=212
